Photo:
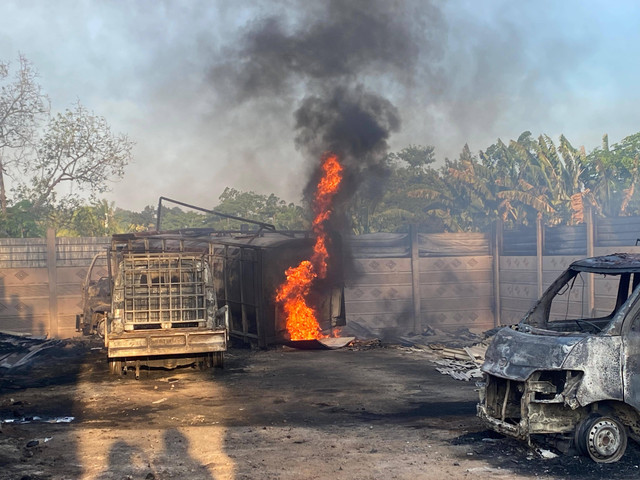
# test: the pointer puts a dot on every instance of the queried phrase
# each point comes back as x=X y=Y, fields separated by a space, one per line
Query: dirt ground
x=380 y=413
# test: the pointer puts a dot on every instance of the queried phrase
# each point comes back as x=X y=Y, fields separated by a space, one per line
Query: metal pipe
x=264 y=225
x=506 y=399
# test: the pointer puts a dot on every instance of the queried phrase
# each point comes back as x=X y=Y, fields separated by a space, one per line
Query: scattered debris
x=547 y=453
x=365 y=344
x=36 y=418
x=461 y=363
x=16 y=350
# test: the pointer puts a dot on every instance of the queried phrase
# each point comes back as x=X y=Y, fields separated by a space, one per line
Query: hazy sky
x=208 y=89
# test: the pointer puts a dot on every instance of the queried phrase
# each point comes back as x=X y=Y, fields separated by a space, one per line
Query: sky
x=211 y=92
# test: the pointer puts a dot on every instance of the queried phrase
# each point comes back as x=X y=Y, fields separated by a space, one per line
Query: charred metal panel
x=516 y=355
x=577 y=372
x=600 y=360
x=248 y=271
x=631 y=368
x=171 y=342
x=551 y=418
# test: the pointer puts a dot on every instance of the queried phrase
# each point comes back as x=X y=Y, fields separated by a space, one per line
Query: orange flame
x=301 y=320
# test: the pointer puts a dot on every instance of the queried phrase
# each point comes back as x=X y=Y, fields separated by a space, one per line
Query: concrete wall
x=41 y=283
x=519 y=279
x=396 y=283
x=454 y=292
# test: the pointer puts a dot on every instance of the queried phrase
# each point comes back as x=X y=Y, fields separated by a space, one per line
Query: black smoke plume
x=343 y=58
x=354 y=124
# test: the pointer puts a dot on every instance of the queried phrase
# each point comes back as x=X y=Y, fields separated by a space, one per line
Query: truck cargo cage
x=163 y=291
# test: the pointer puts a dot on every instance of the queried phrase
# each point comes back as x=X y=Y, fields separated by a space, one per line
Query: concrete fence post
x=54 y=330
x=415 y=280
x=539 y=253
x=591 y=284
x=496 y=250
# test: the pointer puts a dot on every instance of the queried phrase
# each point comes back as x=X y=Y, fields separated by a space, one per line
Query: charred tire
x=602 y=438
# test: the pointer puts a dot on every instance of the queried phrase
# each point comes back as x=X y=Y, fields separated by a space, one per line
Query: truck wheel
x=101 y=327
x=602 y=438
x=115 y=367
x=203 y=362
x=218 y=359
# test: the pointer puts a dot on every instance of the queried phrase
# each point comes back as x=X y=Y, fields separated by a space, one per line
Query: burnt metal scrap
x=239 y=271
x=157 y=306
x=16 y=351
x=330 y=343
x=570 y=374
x=262 y=225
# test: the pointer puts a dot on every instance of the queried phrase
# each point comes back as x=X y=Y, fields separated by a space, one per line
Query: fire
x=301 y=320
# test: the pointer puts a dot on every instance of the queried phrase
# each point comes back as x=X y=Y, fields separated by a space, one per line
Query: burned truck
x=157 y=307
x=568 y=374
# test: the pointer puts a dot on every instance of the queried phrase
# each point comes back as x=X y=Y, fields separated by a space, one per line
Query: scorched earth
x=354 y=413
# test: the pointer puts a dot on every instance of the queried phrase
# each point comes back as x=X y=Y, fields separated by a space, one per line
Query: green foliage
x=77 y=148
x=22 y=108
x=612 y=176
x=394 y=199
x=95 y=220
x=22 y=221
x=136 y=221
x=414 y=156
x=515 y=182
x=253 y=206
x=247 y=205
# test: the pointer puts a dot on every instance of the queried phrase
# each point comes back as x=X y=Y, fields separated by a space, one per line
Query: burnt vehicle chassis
x=570 y=375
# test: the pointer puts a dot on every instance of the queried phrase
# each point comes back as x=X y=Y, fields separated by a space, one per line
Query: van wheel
x=602 y=438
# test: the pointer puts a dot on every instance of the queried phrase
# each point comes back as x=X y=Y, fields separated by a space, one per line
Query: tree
x=21 y=221
x=395 y=197
x=254 y=206
x=95 y=220
x=612 y=174
x=77 y=149
x=22 y=107
x=137 y=221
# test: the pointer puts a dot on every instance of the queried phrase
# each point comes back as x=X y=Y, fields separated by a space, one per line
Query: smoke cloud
x=209 y=89
x=352 y=123
x=339 y=40
x=328 y=57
